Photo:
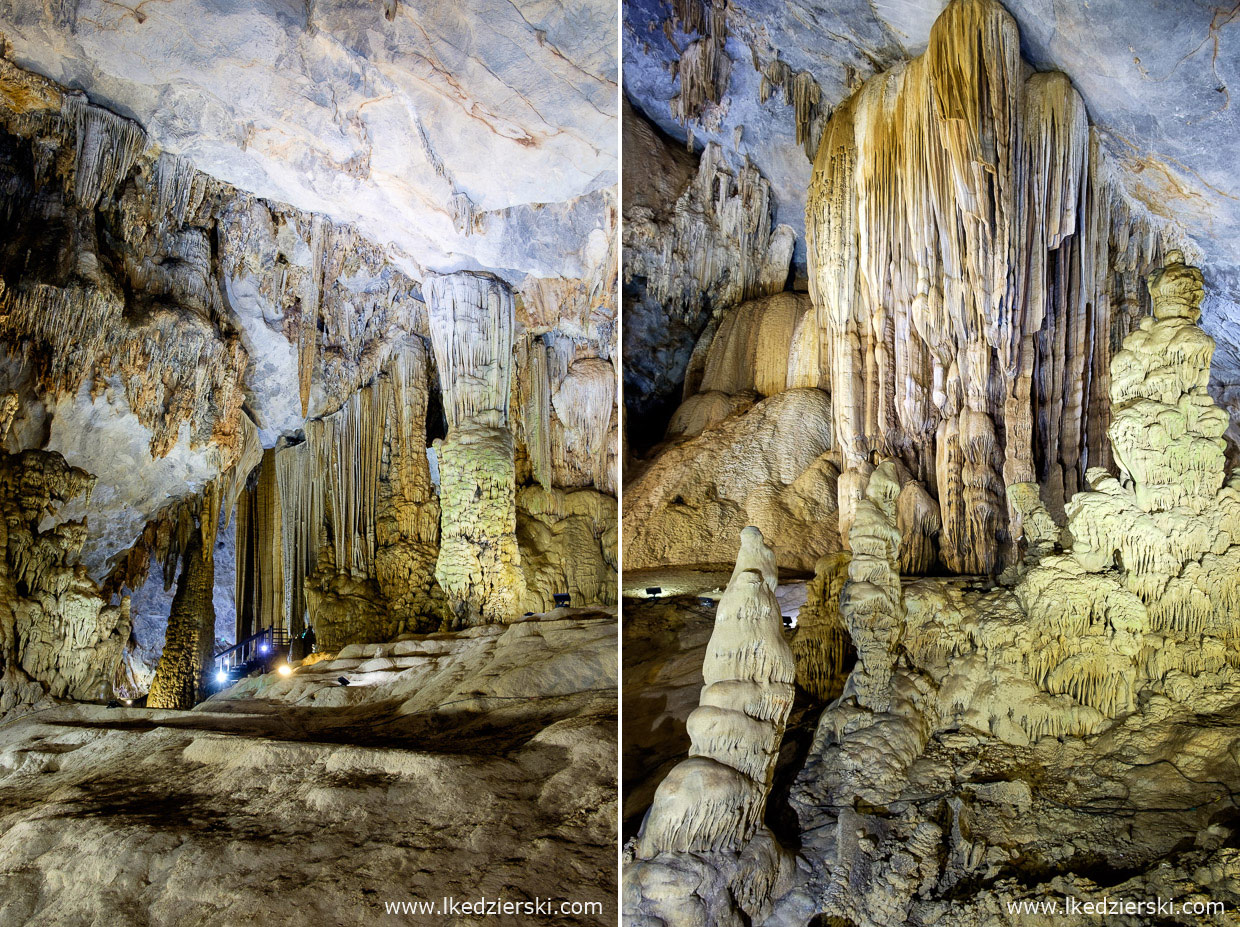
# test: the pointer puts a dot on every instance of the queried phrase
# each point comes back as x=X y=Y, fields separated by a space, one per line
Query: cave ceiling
x=1158 y=80
x=446 y=133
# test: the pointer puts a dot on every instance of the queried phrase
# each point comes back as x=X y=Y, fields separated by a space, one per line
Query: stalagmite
x=179 y=678
x=872 y=604
x=706 y=823
x=1149 y=587
x=479 y=566
x=715 y=799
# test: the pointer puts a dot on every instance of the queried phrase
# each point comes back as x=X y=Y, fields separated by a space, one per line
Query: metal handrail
x=264 y=645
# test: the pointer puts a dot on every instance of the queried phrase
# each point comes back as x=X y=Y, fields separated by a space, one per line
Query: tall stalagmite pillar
x=190 y=637
x=479 y=567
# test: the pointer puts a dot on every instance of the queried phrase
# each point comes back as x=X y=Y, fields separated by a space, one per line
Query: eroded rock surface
x=468 y=765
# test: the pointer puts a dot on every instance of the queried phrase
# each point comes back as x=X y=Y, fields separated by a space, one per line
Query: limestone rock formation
x=1149 y=587
x=60 y=635
x=714 y=248
x=479 y=565
x=710 y=808
x=772 y=467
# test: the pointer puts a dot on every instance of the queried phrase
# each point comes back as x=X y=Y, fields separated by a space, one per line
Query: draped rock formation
x=971 y=265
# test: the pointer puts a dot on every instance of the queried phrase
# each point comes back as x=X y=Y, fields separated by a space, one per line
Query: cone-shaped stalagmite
x=716 y=798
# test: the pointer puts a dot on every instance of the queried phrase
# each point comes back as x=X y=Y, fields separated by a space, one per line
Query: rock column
x=479 y=566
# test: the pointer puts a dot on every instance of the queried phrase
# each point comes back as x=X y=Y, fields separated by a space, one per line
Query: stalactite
x=800 y=91
x=107 y=146
x=301 y=519
x=536 y=419
x=311 y=306
x=348 y=450
x=471 y=319
x=721 y=246
x=715 y=800
x=960 y=228
x=269 y=552
x=702 y=68
x=179 y=188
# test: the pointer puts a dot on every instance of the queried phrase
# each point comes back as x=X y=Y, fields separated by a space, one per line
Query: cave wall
x=195 y=348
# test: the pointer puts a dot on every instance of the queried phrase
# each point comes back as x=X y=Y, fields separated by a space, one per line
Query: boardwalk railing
x=262 y=647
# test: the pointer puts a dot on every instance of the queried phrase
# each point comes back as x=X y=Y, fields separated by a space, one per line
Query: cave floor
x=478 y=773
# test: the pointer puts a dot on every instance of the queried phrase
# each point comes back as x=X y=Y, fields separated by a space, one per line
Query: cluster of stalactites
x=339 y=502
x=715 y=799
x=702 y=68
x=800 y=91
x=107 y=146
x=970 y=266
x=347 y=448
x=176 y=369
x=821 y=646
x=471 y=321
x=721 y=249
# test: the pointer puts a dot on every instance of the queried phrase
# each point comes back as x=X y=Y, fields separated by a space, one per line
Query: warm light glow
x=285 y=670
